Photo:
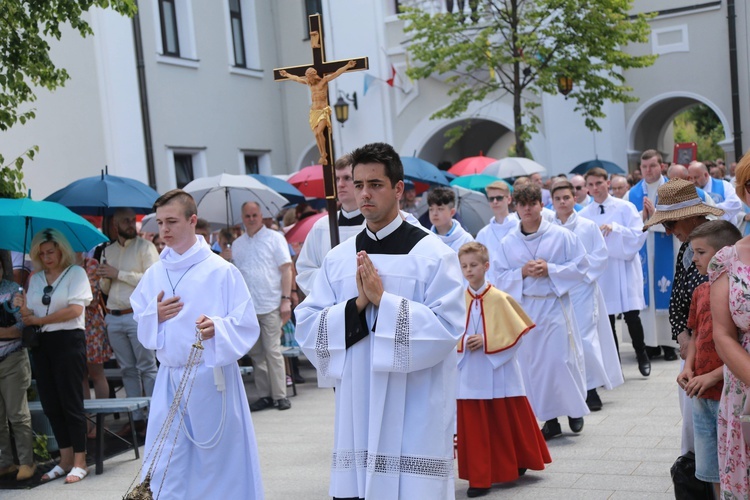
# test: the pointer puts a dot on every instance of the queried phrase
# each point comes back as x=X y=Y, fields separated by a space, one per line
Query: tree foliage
x=26 y=26
x=699 y=124
x=521 y=48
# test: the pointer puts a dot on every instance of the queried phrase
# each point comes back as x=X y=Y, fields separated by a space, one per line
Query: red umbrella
x=298 y=232
x=471 y=165
x=309 y=181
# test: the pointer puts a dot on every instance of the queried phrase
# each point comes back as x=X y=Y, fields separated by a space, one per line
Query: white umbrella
x=220 y=198
x=513 y=167
x=473 y=209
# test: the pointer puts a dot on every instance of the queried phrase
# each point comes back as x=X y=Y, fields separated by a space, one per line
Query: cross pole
x=323 y=68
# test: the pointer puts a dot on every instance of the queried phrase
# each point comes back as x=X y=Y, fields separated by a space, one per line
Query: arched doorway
x=484 y=136
x=650 y=127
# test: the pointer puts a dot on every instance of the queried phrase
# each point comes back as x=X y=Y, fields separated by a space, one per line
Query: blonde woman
x=58 y=293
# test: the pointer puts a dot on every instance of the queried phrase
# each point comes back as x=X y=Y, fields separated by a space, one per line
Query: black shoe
x=477 y=492
x=644 y=365
x=298 y=379
x=593 y=401
x=521 y=472
x=669 y=353
x=653 y=352
x=576 y=424
x=282 y=404
x=261 y=404
x=551 y=429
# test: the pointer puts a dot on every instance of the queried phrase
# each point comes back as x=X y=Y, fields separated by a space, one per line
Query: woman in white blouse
x=58 y=294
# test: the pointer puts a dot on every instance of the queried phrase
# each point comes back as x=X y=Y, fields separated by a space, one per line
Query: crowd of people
x=434 y=339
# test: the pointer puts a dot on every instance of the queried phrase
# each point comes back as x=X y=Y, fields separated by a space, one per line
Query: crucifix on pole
x=316 y=76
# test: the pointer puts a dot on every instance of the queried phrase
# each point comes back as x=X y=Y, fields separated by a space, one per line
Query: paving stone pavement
x=624 y=452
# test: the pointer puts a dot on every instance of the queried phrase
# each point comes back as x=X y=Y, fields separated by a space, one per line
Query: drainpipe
x=143 y=94
x=734 y=79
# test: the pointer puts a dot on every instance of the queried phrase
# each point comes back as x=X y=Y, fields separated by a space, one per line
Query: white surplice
x=623 y=277
x=396 y=387
x=215 y=455
x=456 y=237
x=492 y=234
x=599 y=350
x=488 y=376
x=551 y=355
x=318 y=244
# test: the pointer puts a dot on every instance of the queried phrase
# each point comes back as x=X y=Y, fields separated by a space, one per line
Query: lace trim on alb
x=393 y=465
x=321 y=343
x=401 y=338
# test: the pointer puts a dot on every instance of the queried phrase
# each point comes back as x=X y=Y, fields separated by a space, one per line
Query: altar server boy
x=498 y=437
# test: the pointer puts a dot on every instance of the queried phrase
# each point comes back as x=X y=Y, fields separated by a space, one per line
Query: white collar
x=350 y=215
x=392 y=226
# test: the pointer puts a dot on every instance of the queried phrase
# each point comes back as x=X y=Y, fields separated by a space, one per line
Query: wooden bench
x=101 y=408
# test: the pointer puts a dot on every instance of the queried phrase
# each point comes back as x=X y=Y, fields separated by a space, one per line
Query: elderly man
x=677 y=171
x=679 y=211
x=262 y=256
x=580 y=191
x=536 y=179
x=123 y=264
x=619 y=185
x=720 y=190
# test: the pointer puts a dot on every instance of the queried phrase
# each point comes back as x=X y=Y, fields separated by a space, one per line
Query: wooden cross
x=320 y=112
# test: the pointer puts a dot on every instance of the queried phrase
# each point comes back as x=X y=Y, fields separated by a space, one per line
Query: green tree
x=26 y=27
x=699 y=124
x=522 y=48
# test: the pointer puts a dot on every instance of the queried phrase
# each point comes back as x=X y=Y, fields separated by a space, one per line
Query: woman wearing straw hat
x=680 y=210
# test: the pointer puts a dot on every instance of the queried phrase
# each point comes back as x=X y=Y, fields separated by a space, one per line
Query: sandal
x=77 y=473
x=55 y=473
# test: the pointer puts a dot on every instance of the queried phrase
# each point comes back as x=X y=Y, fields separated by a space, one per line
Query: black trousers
x=635 y=328
x=60 y=363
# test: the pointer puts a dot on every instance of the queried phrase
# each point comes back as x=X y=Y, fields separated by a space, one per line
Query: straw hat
x=678 y=199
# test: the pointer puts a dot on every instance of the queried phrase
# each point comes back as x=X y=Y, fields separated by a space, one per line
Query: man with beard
x=122 y=267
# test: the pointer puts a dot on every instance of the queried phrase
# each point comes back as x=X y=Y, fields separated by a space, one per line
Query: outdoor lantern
x=341 y=108
x=564 y=85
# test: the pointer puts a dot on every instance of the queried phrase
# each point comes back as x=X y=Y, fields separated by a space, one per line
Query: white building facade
x=202 y=100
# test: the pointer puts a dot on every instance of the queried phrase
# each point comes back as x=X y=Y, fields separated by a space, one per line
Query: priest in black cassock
x=382 y=320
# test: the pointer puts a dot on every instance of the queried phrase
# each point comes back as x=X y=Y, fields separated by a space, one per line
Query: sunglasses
x=579 y=188
x=669 y=224
x=496 y=198
x=46 y=298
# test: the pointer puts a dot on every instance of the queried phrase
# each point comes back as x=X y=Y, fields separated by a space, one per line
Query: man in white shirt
x=492 y=234
x=622 y=228
x=721 y=191
x=581 y=191
x=262 y=256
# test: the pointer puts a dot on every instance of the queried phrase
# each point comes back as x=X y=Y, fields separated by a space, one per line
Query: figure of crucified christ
x=320 y=111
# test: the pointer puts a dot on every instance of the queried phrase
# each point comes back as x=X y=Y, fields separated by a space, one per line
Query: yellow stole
x=503 y=319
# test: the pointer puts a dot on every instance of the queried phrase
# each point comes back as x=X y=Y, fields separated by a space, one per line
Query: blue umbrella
x=102 y=194
x=611 y=168
x=417 y=169
x=22 y=218
x=282 y=187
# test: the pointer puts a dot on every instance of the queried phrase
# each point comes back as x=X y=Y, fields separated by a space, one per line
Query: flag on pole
x=392 y=79
x=369 y=79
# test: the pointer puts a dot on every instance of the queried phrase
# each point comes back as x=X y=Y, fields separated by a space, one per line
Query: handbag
x=30 y=336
